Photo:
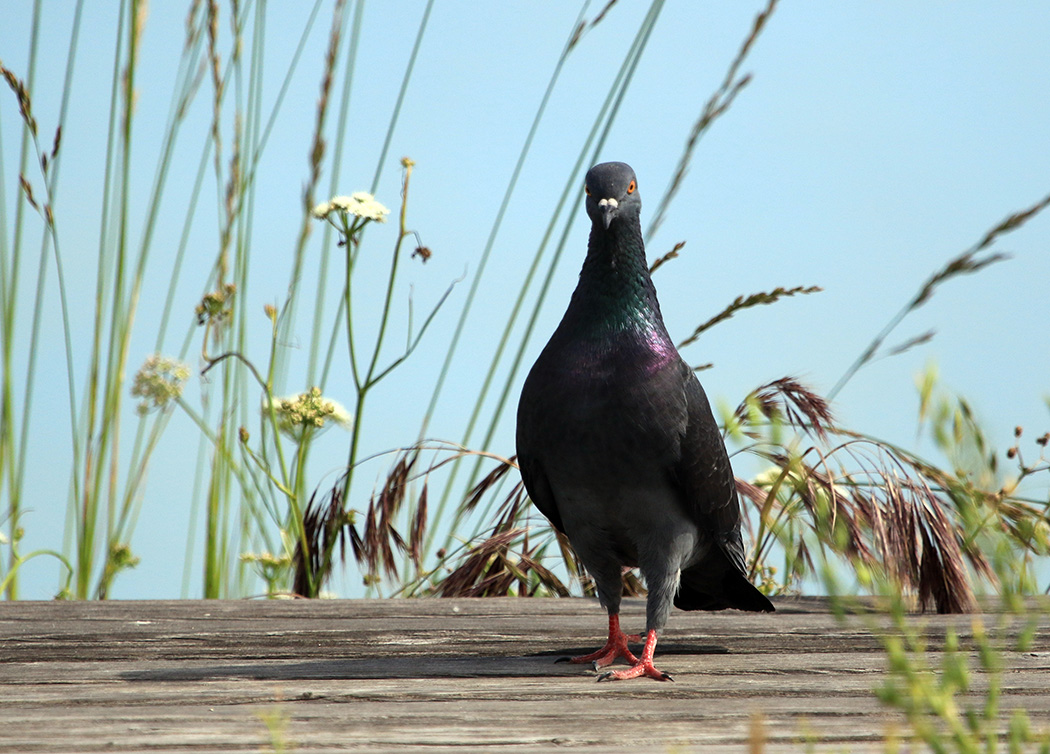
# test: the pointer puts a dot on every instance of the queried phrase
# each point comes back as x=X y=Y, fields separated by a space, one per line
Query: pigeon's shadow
x=538 y=665
x=668 y=648
x=338 y=669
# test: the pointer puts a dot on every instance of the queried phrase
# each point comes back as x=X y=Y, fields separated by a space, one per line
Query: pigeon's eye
x=631 y=187
x=587 y=190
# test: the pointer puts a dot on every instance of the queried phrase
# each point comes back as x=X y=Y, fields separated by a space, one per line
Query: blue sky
x=874 y=142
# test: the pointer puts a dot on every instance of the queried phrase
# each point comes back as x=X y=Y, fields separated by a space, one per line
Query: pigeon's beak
x=609 y=208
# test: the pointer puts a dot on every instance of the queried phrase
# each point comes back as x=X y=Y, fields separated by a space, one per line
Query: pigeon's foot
x=615 y=647
x=641 y=667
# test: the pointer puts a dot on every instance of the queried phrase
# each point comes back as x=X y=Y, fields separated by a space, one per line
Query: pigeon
x=617 y=445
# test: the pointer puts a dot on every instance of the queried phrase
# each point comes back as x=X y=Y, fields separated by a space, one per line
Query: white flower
x=341 y=202
x=296 y=413
x=359 y=204
x=158 y=381
x=266 y=559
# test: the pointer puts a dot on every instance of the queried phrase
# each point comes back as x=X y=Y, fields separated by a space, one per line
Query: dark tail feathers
x=703 y=588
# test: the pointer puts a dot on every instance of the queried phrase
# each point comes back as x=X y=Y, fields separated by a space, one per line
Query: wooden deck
x=447 y=675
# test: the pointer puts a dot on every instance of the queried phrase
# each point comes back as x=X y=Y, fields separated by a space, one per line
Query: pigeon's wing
x=704 y=477
x=532 y=473
x=539 y=489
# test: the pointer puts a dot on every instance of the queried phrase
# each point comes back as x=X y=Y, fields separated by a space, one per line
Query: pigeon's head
x=612 y=192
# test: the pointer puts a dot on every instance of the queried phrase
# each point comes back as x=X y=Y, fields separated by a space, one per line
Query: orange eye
x=631 y=187
x=587 y=190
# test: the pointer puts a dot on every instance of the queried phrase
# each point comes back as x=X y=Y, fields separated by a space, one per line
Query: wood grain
x=456 y=675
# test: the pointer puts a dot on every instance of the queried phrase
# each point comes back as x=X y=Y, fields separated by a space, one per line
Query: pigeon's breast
x=606 y=412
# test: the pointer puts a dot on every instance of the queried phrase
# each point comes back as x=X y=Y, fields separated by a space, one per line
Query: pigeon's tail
x=704 y=588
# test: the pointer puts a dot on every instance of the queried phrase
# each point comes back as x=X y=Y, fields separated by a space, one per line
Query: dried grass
x=882 y=510
x=828 y=494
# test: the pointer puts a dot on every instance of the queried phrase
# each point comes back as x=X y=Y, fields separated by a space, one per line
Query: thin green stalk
x=51 y=183
x=965 y=263
x=8 y=451
x=241 y=209
x=271 y=412
x=124 y=302
x=238 y=212
x=316 y=156
x=498 y=222
x=211 y=437
x=190 y=214
x=401 y=94
x=106 y=442
x=23 y=161
x=333 y=188
x=122 y=516
x=86 y=497
x=370 y=376
x=213 y=559
x=348 y=309
x=299 y=493
x=343 y=313
x=279 y=100
x=251 y=143
x=489 y=243
x=185 y=90
x=216 y=536
x=180 y=256
x=9 y=289
x=11 y=577
x=130 y=504
x=384 y=317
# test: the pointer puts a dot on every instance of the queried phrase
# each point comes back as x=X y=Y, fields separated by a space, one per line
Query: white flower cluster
x=307 y=410
x=359 y=204
x=159 y=381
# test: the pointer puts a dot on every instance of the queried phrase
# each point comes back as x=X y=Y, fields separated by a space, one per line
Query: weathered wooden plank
x=433 y=675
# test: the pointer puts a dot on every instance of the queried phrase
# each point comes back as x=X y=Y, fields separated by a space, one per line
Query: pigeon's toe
x=639 y=669
x=615 y=647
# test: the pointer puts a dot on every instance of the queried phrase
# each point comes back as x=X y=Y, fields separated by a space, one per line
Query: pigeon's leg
x=661 y=578
x=643 y=666
x=615 y=646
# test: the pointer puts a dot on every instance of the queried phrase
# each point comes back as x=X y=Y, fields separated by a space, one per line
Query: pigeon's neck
x=615 y=292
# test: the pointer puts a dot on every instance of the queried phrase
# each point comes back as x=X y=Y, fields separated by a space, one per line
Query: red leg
x=615 y=646
x=644 y=666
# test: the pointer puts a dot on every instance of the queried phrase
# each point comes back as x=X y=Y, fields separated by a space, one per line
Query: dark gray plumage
x=617 y=444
